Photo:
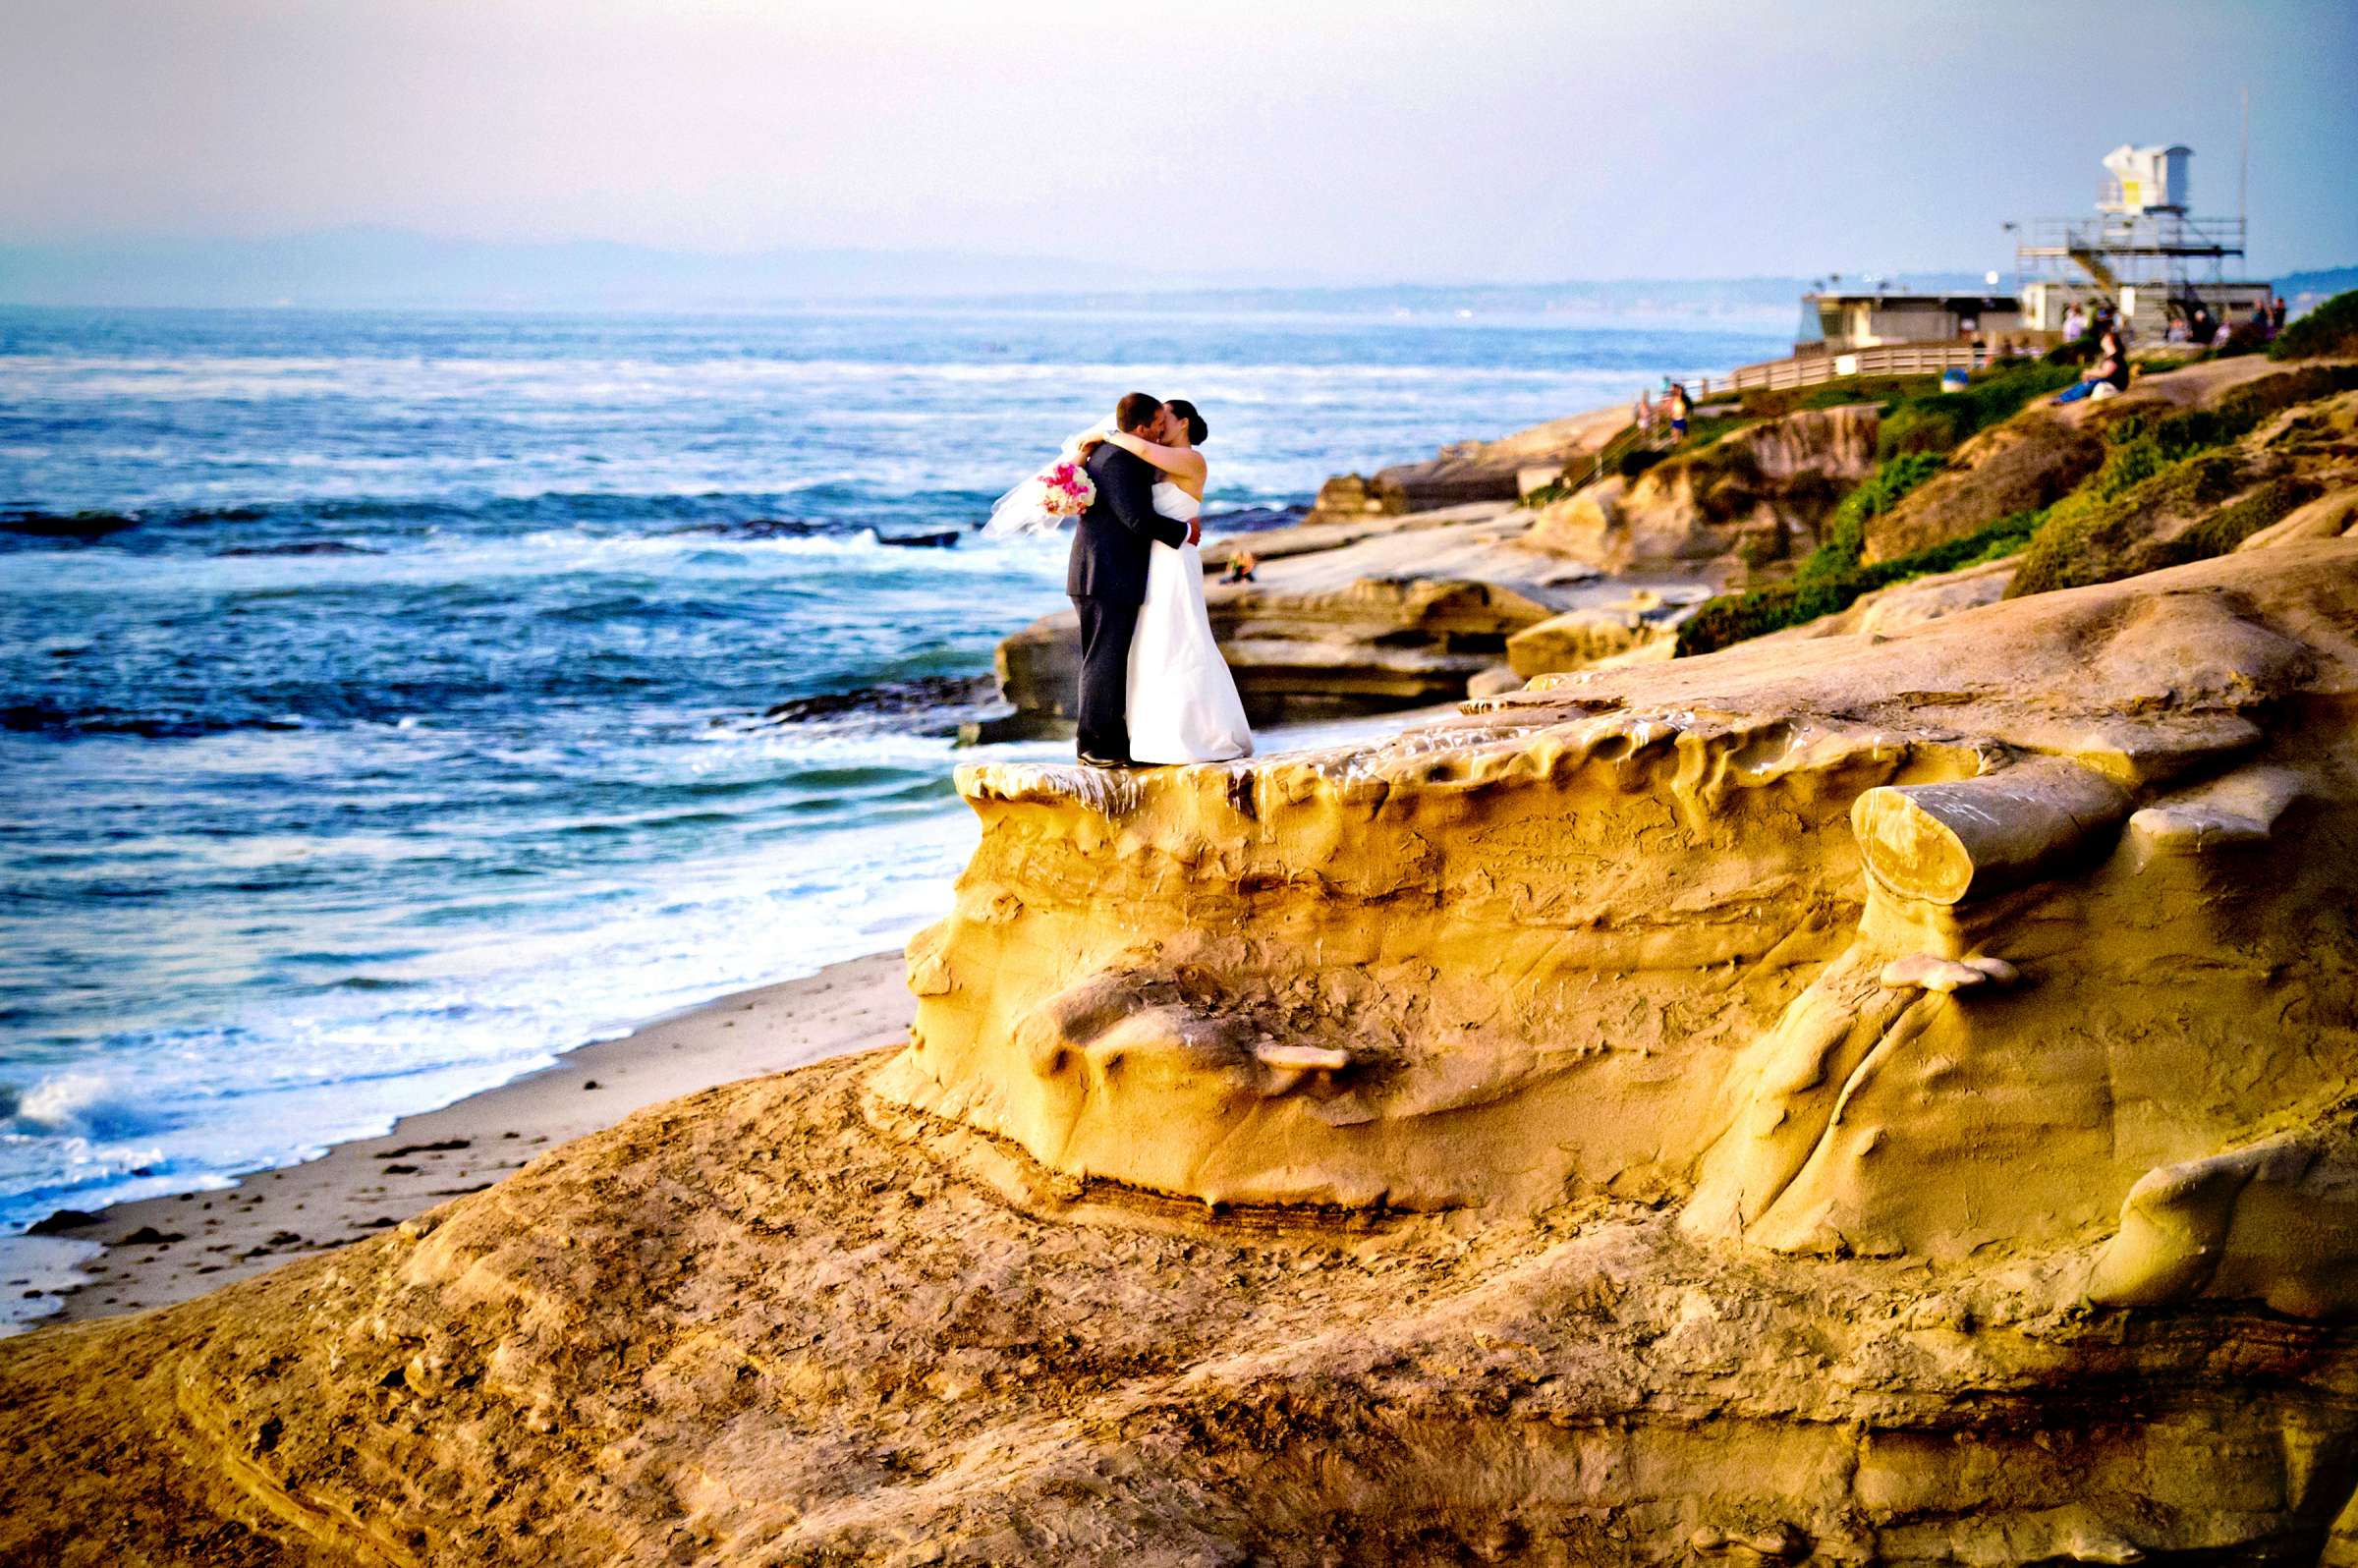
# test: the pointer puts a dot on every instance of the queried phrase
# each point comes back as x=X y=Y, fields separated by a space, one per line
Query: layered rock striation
x=1754 y=501
x=1468 y=470
x=1869 y=1100
x=1580 y=906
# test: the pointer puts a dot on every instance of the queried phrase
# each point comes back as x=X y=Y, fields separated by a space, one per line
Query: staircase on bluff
x=1881 y=1098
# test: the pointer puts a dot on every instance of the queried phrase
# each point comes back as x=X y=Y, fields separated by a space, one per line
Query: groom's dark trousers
x=1107 y=581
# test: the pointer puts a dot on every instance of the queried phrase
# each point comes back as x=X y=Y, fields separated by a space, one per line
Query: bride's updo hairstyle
x=1197 y=429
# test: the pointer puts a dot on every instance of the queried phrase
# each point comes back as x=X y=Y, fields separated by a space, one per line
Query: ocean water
x=382 y=694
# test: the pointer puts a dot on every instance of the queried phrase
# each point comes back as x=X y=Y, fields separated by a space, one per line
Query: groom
x=1108 y=578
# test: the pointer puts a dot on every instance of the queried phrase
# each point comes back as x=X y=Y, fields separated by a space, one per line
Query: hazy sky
x=1453 y=140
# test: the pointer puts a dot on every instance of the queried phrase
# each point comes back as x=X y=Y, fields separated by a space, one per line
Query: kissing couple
x=1154 y=687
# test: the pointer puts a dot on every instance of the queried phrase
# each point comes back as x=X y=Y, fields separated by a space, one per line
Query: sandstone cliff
x=1470 y=471
x=1846 y=1101
x=1752 y=501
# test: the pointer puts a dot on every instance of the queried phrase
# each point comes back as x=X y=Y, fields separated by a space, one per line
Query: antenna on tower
x=2243 y=161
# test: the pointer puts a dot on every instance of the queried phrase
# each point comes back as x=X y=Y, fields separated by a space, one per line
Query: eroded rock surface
x=1850 y=1102
x=1355 y=618
x=1578 y=639
x=2038 y=456
x=1468 y=470
x=1752 y=501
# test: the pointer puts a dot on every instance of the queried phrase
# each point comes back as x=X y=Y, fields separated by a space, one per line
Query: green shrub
x=1738 y=617
x=1734 y=618
x=2230 y=526
x=1846 y=532
x=1941 y=421
x=1922 y=425
x=2096 y=536
x=1827 y=580
x=2166 y=463
x=2143 y=444
x=2244 y=337
x=2331 y=331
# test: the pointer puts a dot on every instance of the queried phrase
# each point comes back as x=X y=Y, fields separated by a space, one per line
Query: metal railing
x=1887 y=359
x=1770 y=375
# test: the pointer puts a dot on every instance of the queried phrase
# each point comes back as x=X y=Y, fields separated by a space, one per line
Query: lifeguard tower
x=2144 y=253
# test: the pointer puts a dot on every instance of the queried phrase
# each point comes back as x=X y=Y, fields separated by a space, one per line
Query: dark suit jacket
x=1114 y=536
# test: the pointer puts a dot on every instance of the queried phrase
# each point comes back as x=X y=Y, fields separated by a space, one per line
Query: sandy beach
x=165 y=1249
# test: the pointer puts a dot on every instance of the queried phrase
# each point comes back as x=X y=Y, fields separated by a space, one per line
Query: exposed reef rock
x=1646 y=620
x=1849 y=1100
x=1468 y=471
x=1355 y=618
x=1911 y=602
x=1752 y=501
x=1375 y=645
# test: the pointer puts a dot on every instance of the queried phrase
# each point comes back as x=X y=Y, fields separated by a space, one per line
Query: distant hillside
x=2304 y=291
x=388 y=268
x=379 y=267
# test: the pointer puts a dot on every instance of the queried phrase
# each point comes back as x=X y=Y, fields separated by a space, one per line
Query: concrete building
x=1840 y=322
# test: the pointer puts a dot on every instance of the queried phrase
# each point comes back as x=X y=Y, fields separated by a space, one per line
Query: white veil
x=1024 y=509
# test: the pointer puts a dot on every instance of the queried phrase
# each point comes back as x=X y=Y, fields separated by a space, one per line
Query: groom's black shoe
x=1088 y=761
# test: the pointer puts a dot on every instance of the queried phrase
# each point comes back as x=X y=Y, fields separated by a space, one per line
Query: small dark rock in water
x=920 y=695
x=303 y=547
x=589 y=1082
x=947 y=538
x=285 y=1238
x=149 y=1236
x=65 y=1219
x=380 y=1222
x=401 y=1170
x=81 y=526
x=759 y=528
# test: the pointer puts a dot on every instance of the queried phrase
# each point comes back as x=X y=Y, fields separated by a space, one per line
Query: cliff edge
x=1873 y=1099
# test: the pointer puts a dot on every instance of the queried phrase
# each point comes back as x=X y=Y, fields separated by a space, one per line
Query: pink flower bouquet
x=1067 y=491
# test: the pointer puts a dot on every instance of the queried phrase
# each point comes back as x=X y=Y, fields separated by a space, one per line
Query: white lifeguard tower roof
x=2148 y=179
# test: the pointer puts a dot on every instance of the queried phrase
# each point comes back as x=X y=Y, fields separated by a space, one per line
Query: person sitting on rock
x=2106 y=378
x=1241 y=566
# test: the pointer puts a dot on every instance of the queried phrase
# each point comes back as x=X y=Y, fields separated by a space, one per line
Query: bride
x=1183 y=705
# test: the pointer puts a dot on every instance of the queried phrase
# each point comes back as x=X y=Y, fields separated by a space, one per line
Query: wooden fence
x=1808 y=369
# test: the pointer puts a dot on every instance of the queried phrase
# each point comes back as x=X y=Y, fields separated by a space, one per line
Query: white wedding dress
x=1182 y=699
